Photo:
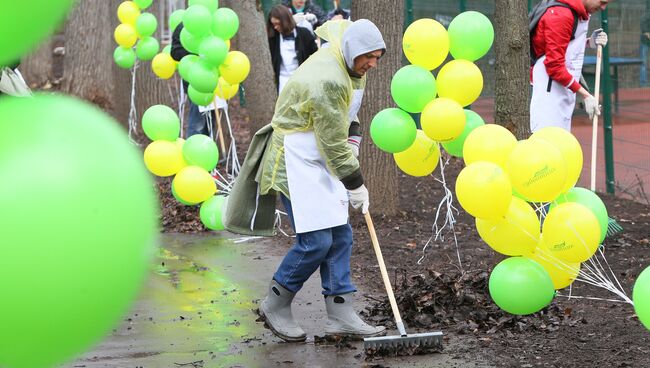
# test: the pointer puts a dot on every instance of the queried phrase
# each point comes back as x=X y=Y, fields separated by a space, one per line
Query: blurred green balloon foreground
x=26 y=22
x=79 y=224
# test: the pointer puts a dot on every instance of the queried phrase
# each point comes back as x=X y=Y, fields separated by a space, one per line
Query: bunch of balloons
x=439 y=100
x=135 y=29
x=191 y=161
x=502 y=175
x=210 y=68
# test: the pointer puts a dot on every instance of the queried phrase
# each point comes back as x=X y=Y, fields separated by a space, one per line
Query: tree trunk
x=379 y=169
x=252 y=40
x=512 y=92
x=88 y=52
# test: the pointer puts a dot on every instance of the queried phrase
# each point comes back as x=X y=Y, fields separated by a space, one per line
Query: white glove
x=311 y=18
x=353 y=142
x=598 y=38
x=591 y=106
x=359 y=198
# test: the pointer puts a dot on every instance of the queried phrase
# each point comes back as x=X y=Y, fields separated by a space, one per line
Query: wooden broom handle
x=594 y=123
x=219 y=130
x=384 y=273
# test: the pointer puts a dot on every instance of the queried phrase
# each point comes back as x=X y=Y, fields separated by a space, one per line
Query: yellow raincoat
x=316 y=98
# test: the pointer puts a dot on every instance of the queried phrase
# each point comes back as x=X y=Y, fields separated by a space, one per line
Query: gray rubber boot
x=343 y=320
x=276 y=311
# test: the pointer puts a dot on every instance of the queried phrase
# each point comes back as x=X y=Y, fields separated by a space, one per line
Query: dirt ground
x=438 y=294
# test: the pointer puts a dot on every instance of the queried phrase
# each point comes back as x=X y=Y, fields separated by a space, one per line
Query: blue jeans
x=330 y=249
x=643 y=76
x=197 y=122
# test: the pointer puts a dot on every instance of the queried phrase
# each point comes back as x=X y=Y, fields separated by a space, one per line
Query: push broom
x=422 y=342
x=613 y=227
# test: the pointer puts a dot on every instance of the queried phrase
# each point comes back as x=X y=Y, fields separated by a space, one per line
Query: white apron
x=318 y=199
x=553 y=104
x=289 y=62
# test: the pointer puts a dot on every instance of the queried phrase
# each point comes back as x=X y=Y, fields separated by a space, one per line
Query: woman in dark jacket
x=290 y=45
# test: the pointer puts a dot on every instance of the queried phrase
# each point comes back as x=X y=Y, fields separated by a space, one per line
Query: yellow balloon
x=537 y=170
x=426 y=43
x=489 y=142
x=163 y=158
x=571 y=232
x=516 y=234
x=483 y=190
x=163 y=65
x=225 y=90
x=562 y=273
x=421 y=158
x=235 y=68
x=570 y=150
x=180 y=142
x=193 y=184
x=443 y=119
x=227 y=44
x=460 y=80
x=125 y=35
x=128 y=12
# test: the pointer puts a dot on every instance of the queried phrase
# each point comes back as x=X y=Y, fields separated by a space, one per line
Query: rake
x=421 y=342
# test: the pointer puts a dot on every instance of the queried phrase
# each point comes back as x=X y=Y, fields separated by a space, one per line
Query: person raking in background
x=558 y=45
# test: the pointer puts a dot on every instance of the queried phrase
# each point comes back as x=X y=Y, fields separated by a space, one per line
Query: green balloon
x=225 y=24
x=185 y=65
x=199 y=98
x=641 y=297
x=212 y=5
x=214 y=50
x=211 y=212
x=470 y=36
x=77 y=234
x=519 y=285
x=197 y=20
x=175 y=18
x=190 y=42
x=472 y=121
x=143 y=4
x=146 y=25
x=160 y=122
x=147 y=48
x=393 y=130
x=167 y=49
x=179 y=199
x=203 y=76
x=590 y=200
x=412 y=88
x=124 y=57
x=24 y=23
x=200 y=150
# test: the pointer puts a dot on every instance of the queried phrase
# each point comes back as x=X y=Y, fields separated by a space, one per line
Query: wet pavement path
x=196 y=310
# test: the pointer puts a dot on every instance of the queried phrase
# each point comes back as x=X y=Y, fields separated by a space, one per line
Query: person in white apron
x=311 y=163
x=556 y=74
x=290 y=45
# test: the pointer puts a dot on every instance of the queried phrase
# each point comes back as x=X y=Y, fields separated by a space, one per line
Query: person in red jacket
x=559 y=45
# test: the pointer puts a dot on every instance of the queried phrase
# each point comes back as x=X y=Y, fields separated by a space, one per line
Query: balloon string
x=133 y=114
x=232 y=149
x=450 y=220
x=181 y=102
